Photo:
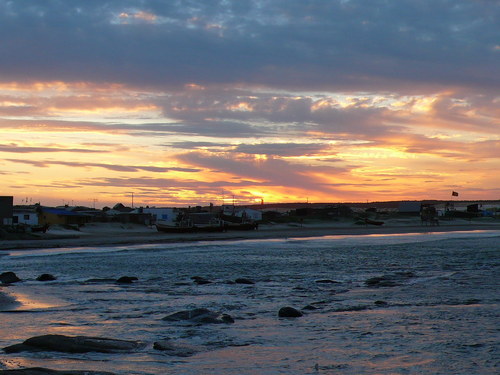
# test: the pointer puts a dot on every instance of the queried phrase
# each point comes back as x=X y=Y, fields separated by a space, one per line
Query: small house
x=26 y=215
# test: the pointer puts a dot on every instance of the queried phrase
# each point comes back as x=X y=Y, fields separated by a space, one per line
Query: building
x=410 y=208
x=164 y=214
x=6 y=210
x=243 y=212
x=27 y=215
x=61 y=216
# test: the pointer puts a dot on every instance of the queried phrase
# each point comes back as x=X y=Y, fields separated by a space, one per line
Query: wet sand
x=128 y=234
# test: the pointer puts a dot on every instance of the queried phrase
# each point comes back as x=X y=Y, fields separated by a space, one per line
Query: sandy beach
x=106 y=234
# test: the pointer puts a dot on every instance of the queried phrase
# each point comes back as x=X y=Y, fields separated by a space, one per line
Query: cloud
x=346 y=45
x=111 y=167
x=269 y=171
x=14 y=148
x=282 y=149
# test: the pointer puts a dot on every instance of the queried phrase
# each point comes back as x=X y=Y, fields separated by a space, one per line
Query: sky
x=176 y=103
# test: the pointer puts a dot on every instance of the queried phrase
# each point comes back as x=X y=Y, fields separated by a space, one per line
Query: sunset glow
x=186 y=106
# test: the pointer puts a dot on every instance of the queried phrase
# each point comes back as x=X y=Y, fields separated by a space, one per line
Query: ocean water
x=440 y=316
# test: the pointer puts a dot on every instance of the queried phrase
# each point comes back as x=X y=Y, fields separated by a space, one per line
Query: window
x=26 y=217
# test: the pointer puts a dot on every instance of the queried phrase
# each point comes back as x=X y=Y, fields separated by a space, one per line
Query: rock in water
x=127 y=279
x=200 y=280
x=242 y=280
x=289 y=312
x=9 y=278
x=201 y=316
x=74 y=344
x=391 y=280
x=46 y=277
x=46 y=371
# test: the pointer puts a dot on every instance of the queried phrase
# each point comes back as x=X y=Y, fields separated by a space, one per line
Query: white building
x=25 y=215
x=168 y=215
x=248 y=213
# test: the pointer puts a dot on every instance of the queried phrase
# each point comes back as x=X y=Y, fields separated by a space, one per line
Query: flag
x=454 y=193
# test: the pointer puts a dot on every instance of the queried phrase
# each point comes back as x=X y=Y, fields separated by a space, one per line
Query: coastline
x=114 y=234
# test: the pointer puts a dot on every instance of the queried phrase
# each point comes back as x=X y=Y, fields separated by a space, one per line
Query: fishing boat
x=232 y=222
x=192 y=223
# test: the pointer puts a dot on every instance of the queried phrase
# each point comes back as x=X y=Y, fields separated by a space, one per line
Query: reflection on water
x=441 y=318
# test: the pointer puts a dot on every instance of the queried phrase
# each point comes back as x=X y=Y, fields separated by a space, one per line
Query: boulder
x=176 y=349
x=199 y=316
x=46 y=371
x=74 y=344
x=289 y=312
x=46 y=277
x=9 y=278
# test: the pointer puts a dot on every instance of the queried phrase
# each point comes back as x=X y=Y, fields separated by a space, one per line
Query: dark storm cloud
x=341 y=44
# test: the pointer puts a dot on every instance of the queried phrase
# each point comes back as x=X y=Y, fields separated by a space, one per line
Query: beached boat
x=191 y=224
x=373 y=222
x=188 y=228
x=232 y=222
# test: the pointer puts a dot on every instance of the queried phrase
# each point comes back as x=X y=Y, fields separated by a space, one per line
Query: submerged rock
x=46 y=277
x=289 y=312
x=200 y=280
x=126 y=279
x=391 y=280
x=200 y=316
x=46 y=371
x=9 y=278
x=176 y=349
x=242 y=280
x=74 y=344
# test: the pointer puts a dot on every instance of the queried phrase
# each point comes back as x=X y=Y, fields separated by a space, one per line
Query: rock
x=176 y=349
x=46 y=371
x=381 y=303
x=74 y=344
x=200 y=280
x=127 y=279
x=199 y=316
x=242 y=280
x=9 y=278
x=46 y=277
x=289 y=312
x=389 y=280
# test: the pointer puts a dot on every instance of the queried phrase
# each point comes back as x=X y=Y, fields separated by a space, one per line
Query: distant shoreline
x=122 y=235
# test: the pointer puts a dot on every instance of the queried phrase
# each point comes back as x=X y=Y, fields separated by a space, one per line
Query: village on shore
x=36 y=217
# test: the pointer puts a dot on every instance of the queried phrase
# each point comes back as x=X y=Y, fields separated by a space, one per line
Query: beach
x=107 y=234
